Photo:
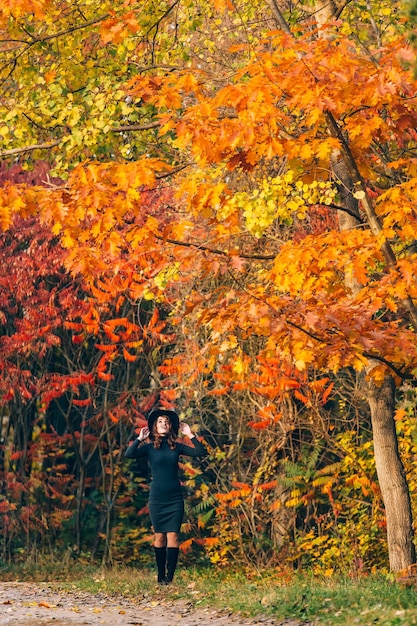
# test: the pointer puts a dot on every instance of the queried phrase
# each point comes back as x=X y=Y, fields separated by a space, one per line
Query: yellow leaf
x=359 y=195
x=67 y=241
x=238 y=366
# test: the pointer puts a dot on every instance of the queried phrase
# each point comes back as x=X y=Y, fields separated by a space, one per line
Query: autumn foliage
x=226 y=224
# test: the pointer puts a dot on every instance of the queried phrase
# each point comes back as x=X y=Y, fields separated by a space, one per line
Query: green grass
x=335 y=602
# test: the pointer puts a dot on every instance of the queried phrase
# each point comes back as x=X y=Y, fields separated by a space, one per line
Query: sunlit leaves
x=269 y=114
x=90 y=210
x=280 y=198
x=68 y=94
x=17 y=8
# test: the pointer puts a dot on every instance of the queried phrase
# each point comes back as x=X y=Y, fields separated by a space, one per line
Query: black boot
x=161 y=559
x=172 y=559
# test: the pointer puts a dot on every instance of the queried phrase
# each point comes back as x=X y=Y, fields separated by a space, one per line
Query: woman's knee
x=160 y=540
x=172 y=540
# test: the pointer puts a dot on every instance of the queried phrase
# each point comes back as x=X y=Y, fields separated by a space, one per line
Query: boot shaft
x=161 y=559
x=172 y=560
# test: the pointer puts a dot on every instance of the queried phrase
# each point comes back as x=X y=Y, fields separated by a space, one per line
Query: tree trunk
x=283 y=519
x=391 y=476
x=80 y=498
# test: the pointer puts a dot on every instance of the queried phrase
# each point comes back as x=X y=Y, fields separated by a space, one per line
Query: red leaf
x=260 y=425
x=105 y=376
x=16 y=455
x=85 y=402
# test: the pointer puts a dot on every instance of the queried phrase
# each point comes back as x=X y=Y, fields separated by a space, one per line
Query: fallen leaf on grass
x=44 y=604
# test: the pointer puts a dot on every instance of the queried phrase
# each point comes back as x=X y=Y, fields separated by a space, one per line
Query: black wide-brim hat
x=172 y=416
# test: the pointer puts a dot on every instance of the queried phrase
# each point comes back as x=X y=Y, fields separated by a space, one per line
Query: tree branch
x=225 y=253
x=134 y=127
x=175 y=170
x=279 y=18
x=346 y=210
x=62 y=33
x=38 y=146
x=35 y=40
x=51 y=144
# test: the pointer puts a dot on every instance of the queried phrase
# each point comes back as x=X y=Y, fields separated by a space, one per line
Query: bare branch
x=134 y=127
x=279 y=18
x=39 y=146
x=338 y=207
x=225 y=253
x=51 y=144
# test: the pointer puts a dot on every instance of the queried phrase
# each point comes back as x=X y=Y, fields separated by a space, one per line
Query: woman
x=166 y=504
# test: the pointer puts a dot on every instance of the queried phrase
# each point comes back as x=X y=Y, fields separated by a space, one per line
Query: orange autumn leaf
x=113 y=418
x=131 y=358
x=259 y=425
x=105 y=376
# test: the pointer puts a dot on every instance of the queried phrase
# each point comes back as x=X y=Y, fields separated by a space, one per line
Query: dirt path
x=28 y=604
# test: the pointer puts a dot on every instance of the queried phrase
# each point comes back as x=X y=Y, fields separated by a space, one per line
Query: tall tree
x=317 y=113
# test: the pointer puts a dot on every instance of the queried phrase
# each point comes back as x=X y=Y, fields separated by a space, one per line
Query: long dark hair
x=171 y=437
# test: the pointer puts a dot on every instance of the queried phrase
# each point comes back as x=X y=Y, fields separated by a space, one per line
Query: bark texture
x=391 y=476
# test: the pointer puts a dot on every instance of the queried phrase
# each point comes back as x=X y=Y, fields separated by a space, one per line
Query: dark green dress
x=166 y=503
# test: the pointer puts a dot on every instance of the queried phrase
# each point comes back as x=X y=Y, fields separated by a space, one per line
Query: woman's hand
x=186 y=430
x=144 y=433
